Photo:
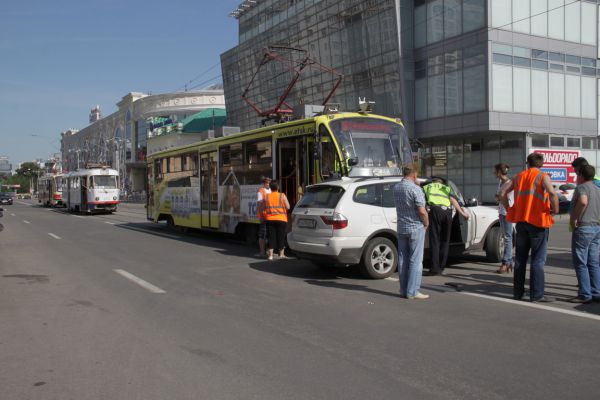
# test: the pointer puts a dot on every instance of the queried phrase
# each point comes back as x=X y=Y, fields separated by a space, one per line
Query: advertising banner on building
x=557 y=164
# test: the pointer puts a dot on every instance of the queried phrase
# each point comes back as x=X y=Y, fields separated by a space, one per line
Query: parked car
x=6 y=198
x=353 y=221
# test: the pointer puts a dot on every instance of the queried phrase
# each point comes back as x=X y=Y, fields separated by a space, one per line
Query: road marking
x=110 y=223
x=76 y=216
x=27 y=222
x=535 y=305
x=54 y=236
x=12 y=215
x=148 y=286
x=392 y=279
x=25 y=204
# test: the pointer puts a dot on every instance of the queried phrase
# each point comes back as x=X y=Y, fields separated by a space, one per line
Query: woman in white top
x=501 y=172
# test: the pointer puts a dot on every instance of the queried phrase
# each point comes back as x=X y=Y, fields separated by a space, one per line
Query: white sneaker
x=419 y=296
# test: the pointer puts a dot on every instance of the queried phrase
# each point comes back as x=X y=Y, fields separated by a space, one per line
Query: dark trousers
x=440 y=227
x=276 y=231
x=534 y=239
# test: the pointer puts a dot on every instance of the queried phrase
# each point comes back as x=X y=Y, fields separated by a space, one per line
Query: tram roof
x=265 y=130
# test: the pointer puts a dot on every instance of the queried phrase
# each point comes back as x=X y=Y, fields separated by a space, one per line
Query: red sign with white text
x=557 y=163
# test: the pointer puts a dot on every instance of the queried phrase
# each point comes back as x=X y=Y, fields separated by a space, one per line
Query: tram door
x=291 y=170
x=209 y=190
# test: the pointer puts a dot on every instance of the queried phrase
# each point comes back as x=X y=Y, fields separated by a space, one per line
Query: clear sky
x=59 y=58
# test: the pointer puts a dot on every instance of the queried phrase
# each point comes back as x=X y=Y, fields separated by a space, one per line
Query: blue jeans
x=534 y=239
x=507 y=233
x=410 y=261
x=585 y=243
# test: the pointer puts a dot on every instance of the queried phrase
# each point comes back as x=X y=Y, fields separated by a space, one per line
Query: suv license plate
x=307 y=223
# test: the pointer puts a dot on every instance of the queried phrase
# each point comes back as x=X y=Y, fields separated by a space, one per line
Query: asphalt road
x=209 y=321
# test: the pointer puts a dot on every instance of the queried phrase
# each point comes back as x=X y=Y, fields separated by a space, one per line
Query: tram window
x=328 y=158
x=181 y=182
x=175 y=164
x=158 y=171
x=258 y=162
x=105 y=181
x=232 y=164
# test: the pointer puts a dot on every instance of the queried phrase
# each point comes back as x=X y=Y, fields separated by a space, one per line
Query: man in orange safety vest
x=535 y=202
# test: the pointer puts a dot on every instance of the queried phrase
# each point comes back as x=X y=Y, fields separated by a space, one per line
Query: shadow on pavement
x=301 y=269
x=593 y=308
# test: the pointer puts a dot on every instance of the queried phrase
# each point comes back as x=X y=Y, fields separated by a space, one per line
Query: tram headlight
x=114 y=197
x=97 y=198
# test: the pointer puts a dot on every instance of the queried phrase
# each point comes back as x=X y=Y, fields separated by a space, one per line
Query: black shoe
x=580 y=300
x=543 y=299
x=432 y=273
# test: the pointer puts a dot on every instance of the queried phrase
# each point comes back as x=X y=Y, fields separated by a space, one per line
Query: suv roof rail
x=367 y=178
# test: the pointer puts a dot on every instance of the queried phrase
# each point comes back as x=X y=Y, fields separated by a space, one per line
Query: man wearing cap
x=261 y=195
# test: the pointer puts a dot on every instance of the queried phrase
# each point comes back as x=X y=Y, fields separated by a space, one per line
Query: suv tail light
x=337 y=221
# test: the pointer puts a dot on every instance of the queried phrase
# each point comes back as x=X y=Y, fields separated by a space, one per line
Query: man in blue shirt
x=412 y=224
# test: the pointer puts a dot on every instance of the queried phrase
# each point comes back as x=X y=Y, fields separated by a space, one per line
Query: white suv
x=353 y=221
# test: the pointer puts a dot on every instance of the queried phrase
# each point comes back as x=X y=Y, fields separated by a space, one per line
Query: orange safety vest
x=261 y=208
x=532 y=204
x=274 y=207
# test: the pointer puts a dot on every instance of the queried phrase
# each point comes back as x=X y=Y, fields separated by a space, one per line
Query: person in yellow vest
x=261 y=195
x=275 y=210
x=440 y=201
x=535 y=201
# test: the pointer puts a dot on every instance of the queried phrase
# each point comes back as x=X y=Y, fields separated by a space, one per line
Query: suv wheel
x=380 y=258
x=494 y=245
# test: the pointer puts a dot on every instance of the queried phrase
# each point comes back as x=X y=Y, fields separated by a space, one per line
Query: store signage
x=557 y=163
x=556 y=174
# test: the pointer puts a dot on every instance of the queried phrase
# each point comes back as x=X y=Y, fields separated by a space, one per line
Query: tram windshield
x=372 y=143
x=104 y=182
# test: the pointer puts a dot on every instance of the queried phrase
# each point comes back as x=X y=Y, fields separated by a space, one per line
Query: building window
x=588 y=23
x=539 y=92
x=556 y=19
x=557 y=141
x=573 y=16
x=539 y=17
x=556 y=86
x=521 y=16
x=573 y=96
x=588 y=97
x=501 y=14
x=451 y=83
x=502 y=87
x=574 y=142
x=538 y=140
x=588 y=143
x=473 y=14
x=522 y=90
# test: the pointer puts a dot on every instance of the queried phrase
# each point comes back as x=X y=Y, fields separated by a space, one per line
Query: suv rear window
x=322 y=196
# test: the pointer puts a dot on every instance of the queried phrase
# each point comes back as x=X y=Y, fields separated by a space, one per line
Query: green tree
x=27 y=176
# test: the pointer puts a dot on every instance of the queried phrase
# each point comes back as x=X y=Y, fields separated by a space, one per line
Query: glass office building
x=477 y=81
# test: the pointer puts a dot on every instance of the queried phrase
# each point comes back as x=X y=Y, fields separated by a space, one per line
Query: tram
x=50 y=190
x=212 y=184
x=93 y=189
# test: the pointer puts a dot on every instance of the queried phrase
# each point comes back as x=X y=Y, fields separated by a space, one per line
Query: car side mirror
x=472 y=203
x=352 y=161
